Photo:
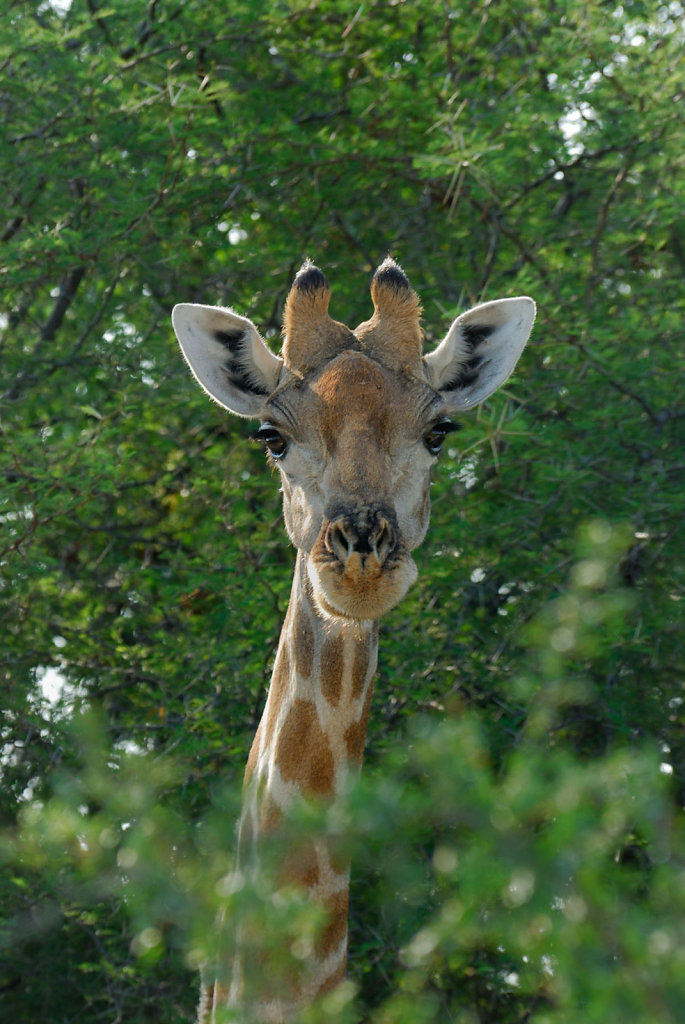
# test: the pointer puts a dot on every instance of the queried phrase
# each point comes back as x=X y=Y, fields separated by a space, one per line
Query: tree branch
x=67 y=294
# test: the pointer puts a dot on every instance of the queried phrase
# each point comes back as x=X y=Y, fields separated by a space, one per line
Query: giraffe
x=353 y=420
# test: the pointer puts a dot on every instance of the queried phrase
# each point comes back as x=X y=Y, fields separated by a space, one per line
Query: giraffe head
x=354 y=420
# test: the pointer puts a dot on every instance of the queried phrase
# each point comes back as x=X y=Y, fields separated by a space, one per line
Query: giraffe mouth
x=362 y=588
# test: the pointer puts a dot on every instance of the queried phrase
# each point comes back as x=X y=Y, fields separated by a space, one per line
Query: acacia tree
x=157 y=152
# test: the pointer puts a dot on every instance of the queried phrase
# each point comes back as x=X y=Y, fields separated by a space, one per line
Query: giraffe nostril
x=366 y=533
x=382 y=540
x=340 y=540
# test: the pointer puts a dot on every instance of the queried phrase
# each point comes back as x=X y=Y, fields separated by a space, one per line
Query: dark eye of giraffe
x=433 y=440
x=274 y=442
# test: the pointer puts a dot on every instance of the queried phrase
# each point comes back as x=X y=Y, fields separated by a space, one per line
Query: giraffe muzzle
x=359 y=566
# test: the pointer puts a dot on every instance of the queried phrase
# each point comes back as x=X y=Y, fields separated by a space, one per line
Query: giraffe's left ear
x=480 y=351
x=227 y=355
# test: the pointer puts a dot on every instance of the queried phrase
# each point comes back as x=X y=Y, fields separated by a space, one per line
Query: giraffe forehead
x=355 y=392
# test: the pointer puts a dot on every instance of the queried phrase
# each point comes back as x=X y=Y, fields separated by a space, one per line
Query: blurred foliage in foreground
x=518 y=833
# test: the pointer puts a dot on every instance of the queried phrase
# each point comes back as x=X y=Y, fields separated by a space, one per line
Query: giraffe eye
x=274 y=442
x=433 y=440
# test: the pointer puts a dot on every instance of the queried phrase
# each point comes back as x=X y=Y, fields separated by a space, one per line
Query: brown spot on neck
x=332 y=663
x=335 y=929
x=270 y=814
x=301 y=867
x=355 y=734
x=355 y=738
x=303 y=752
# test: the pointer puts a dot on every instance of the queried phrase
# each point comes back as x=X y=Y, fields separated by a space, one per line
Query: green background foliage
x=518 y=835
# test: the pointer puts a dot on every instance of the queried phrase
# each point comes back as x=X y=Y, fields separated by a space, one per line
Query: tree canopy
x=518 y=834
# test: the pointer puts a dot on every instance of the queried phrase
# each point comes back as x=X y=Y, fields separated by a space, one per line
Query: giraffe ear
x=480 y=351
x=227 y=356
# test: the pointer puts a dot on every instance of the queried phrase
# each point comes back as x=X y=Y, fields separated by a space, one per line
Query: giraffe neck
x=310 y=743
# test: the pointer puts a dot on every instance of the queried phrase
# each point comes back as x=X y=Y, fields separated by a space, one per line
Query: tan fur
x=360 y=667
x=393 y=334
x=310 y=336
x=303 y=643
x=279 y=686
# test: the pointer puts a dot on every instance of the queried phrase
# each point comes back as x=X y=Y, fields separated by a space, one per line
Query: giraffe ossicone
x=354 y=421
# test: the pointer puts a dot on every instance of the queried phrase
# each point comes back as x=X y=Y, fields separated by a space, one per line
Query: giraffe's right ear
x=480 y=351
x=227 y=356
